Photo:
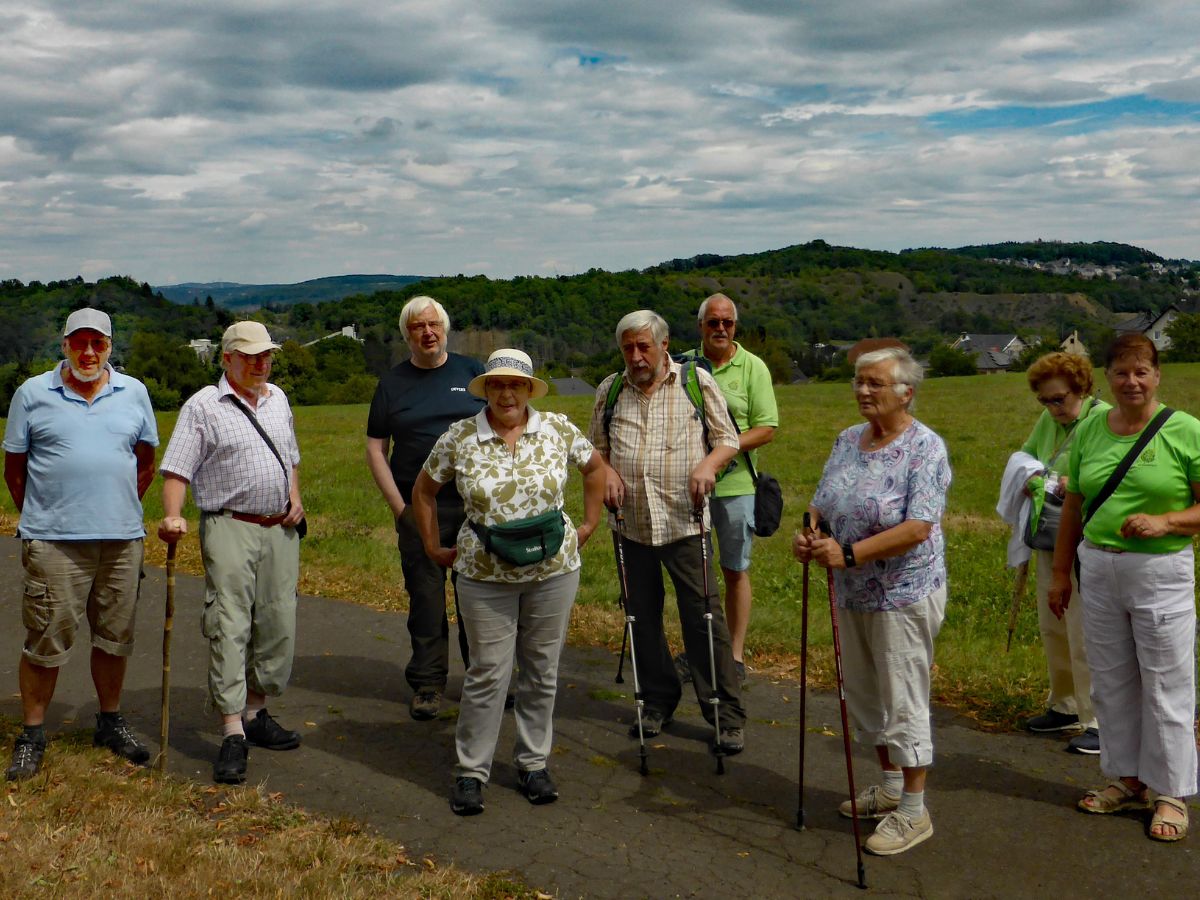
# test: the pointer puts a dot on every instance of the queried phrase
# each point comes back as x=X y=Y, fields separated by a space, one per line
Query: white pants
x=1139 y=618
x=886 y=661
x=1066 y=649
x=528 y=619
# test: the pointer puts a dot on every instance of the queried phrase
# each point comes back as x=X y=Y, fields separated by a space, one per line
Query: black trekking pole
x=803 y=681
x=639 y=700
x=841 y=685
x=714 y=698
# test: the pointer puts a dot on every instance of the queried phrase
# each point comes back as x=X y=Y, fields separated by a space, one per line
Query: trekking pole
x=168 y=624
x=639 y=701
x=803 y=681
x=841 y=685
x=714 y=697
x=1018 y=592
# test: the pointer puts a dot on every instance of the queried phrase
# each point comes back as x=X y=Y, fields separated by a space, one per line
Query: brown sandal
x=1105 y=801
x=1181 y=827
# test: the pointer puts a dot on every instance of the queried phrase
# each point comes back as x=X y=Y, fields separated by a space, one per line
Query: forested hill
x=252 y=296
x=793 y=302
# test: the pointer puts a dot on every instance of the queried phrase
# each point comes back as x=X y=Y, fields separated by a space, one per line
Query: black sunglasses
x=727 y=323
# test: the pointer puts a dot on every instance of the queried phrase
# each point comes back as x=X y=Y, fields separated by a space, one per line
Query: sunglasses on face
x=720 y=323
x=1053 y=401
x=79 y=344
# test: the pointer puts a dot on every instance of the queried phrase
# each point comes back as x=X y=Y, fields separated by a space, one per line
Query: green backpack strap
x=610 y=403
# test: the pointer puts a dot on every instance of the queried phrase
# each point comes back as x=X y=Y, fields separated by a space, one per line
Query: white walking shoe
x=898 y=833
x=873 y=803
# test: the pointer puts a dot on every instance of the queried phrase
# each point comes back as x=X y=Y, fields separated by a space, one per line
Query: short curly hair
x=1075 y=370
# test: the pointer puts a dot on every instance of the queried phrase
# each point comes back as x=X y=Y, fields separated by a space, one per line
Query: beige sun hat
x=509 y=362
x=251 y=338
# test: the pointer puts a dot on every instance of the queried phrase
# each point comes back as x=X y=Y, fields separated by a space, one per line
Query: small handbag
x=526 y=541
x=768 y=501
x=1044 y=536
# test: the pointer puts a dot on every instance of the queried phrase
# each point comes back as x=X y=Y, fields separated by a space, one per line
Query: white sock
x=912 y=805
x=232 y=727
x=893 y=782
x=251 y=711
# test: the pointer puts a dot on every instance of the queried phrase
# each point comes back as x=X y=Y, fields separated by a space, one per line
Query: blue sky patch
x=1075 y=118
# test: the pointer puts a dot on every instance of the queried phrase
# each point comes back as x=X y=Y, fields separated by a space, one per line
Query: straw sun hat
x=509 y=362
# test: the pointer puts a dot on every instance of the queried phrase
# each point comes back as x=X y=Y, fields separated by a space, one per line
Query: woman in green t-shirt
x=1062 y=383
x=1137 y=587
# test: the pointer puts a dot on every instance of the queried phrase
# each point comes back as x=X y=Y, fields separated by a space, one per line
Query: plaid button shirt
x=654 y=443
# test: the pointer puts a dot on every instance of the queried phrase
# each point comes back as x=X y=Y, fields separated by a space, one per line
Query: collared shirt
x=81 y=475
x=499 y=485
x=654 y=443
x=745 y=382
x=229 y=465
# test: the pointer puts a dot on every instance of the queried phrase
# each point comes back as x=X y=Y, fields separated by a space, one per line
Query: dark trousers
x=656 y=670
x=425 y=582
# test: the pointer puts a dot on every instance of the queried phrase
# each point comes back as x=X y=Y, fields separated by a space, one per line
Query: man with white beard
x=78 y=456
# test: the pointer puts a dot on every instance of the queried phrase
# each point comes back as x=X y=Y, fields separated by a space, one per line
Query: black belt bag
x=526 y=541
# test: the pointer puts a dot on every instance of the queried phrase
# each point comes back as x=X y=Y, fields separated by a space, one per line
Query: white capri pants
x=1139 y=620
x=886 y=661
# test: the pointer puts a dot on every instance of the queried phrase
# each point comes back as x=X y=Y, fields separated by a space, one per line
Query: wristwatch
x=848 y=553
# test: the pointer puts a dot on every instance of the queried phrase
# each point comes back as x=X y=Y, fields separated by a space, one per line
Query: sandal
x=1114 y=797
x=1180 y=826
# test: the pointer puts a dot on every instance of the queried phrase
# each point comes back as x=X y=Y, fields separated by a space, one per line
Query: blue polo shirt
x=81 y=482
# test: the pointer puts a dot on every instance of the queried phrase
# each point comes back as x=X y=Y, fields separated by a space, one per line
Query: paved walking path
x=1002 y=805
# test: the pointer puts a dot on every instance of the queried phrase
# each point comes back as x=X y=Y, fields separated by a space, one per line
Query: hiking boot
x=732 y=741
x=1087 y=743
x=113 y=732
x=898 y=833
x=653 y=722
x=230 y=767
x=683 y=669
x=872 y=803
x=425 y=703
x=264 y=731
x=467 y=797
x=1053 y=720
x=26 y=758
x=537 y=787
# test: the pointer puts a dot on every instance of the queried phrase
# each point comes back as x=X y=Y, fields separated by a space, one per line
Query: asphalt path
x=1003 y=805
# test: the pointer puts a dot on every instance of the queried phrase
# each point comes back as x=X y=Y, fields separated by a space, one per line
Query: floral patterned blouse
x=500 y=486
x=862 y=493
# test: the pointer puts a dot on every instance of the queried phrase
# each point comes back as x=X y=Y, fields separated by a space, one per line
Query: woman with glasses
x=1132 y=496
x=1062 y=383
x=882 y=493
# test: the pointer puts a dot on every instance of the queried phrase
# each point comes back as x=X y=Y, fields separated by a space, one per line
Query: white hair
x=906 y=371
x=640 y=320
x=703 y=311
x=419 y=305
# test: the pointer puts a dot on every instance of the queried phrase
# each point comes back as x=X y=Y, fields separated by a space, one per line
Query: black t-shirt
x=413 y=407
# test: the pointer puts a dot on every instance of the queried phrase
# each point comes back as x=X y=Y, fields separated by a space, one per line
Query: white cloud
x=176 y=141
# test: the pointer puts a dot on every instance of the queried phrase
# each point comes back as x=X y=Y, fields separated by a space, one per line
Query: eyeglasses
x=1053 y=401
x=719 y=323
x=416 y=327
x=79 y=344
x=874 y=386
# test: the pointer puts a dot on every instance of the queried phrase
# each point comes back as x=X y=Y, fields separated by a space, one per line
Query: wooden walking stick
x=1018 y=593
x=168 y=624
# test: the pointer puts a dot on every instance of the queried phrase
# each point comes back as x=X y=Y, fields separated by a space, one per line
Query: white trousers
x=886 y=661
x=1139 y=619
x=1066 y=649
x=526 y=619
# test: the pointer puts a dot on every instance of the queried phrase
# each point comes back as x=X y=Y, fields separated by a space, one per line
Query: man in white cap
x=78 y=456
x=246 y=483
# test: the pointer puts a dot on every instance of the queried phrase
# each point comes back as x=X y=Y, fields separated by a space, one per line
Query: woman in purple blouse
x=882 y=493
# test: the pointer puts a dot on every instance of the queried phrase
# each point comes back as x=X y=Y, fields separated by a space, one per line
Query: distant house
x=1151 y=325
x=992 y=352
x=203 y=348
x=349 y=331
x=1072 y=344
x=572 y=387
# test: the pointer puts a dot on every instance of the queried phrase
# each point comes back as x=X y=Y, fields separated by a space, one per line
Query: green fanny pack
x=526 y=541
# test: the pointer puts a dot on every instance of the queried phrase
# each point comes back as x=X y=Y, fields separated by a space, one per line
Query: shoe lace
x=23 y=754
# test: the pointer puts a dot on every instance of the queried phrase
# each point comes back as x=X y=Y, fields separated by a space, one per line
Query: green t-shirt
x=1047 y=435
x=1159 y=482
x=746 y=383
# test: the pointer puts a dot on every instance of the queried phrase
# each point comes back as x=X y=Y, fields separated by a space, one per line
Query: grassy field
x=351 y=554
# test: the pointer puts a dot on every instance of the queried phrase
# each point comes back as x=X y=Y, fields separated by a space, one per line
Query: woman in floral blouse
x=883 y=492
x=511 y=464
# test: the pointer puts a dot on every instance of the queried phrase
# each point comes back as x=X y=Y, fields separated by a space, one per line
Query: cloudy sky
x=280 y=141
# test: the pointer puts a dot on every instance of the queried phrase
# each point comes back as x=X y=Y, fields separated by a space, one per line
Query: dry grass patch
x=92 y=825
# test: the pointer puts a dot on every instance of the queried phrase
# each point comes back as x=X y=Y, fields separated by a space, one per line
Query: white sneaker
x=898 y=833
x=873 y=803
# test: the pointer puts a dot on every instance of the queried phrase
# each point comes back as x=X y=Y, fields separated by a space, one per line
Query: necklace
x=876 y=442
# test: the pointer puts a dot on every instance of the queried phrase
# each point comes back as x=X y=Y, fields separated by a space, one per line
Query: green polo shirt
x=746 y=383
x=1048 y=436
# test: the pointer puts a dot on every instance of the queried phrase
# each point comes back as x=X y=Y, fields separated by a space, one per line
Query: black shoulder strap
x=266 y=437
x=1127 y=462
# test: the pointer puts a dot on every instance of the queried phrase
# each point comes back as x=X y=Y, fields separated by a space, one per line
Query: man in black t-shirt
x=414 y=404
